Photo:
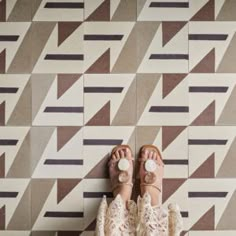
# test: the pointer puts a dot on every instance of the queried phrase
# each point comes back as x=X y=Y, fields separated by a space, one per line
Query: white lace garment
x=139 y=219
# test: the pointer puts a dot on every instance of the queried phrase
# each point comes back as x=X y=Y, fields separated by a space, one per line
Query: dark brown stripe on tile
x=184 y=214
x=65 y=109
x=175 y=162
x=209 y=37
x=9 y=38
x=72 y=5
x=65 y=57
x=103 y=141
x=207 y=194
x=169 y=56
x=169 y=109
x=64 y=214
x=103 y=89
x=103 y=37
x=208 y=89
x=169 y=4
x=8 y=194
x=8 y=90
x=207 y=141
x=63 y=162
x=6 y=142
x=97 y=194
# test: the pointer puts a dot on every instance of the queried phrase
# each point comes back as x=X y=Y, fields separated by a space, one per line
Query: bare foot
x=121 y=171
x=151 y=173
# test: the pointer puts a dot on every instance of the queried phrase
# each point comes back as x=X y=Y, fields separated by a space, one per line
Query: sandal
x=122 y=168
x=150 y=167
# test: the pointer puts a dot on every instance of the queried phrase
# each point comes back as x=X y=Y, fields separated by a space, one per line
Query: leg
x=121 y=179
x=153 y=218
x=152 y=184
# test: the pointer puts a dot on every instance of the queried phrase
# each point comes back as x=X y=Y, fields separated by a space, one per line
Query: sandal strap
x=152 y=185
x=120 y=184
x=112 y=162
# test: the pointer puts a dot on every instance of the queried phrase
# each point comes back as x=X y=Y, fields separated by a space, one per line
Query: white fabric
x=139 y=219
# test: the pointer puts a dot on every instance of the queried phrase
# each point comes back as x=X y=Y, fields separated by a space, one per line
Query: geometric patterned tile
x=166 y=99
x=57 y=96
x=211 y=99
x=79 y=77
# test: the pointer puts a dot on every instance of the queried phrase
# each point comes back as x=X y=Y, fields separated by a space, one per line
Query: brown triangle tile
x=3 y=11
x=227 y=168
x=145 y=135
x=170 y=81
x=207 y=117
x=69 y=233
x=2 y=165
x=2 y=217
x=21 y=218
x=39 y=197
x=132 y=141
x=206 y=13
x=34 y=7
x=207 y=169
x=126 y=114
x=140 y=6
x=64 y=187
x=2 y=113
x=170 y=29
x=146 y=84
x=39 y=139
x=228 y=115
x=227 y=12
x=100 y=170
x=64 y=134
x=43 y=233
x=65 y=29
x=126 y=11
x=206 y=222
x=101 y=65
x=184 y=233
x=102 y=117
x=170 y=186
x=227 y=220
x=3 y=61
x=64 y=82
x=128 y=61
x=102 y=13
x=21 y=12
x=207 y=64
x=226 y=65
x=21 y=166
x=169 y=133
x=22 y=113
x=91 y=226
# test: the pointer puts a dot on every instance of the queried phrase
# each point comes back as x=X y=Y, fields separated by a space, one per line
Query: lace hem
x=141 y=219
x=152 y=220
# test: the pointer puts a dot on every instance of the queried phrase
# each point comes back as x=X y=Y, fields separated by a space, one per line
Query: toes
x=144 y=153
x=122 y=154
x=112 y=160
x=117 y=154
x=154 y=156
x=150 y=155
x=128 y=152
x=113 y=157
x=159 y=160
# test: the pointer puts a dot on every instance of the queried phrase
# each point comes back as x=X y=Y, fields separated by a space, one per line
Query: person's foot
x=151 y=173
x=121 y=171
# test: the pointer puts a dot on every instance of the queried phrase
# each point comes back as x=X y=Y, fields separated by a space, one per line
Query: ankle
x=156 y=196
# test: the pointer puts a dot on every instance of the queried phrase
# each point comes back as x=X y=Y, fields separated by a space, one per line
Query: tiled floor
x=78 y=78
